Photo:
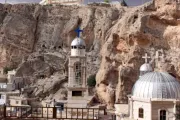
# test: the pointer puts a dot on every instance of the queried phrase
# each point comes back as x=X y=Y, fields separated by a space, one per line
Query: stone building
x=155 y=96
x=11 y=89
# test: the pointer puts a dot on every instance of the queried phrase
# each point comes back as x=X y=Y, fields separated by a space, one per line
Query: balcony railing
x=20 y=112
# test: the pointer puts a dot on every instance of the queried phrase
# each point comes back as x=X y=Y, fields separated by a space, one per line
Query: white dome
x=159 y=85
x=78 y=42
x=146 y=67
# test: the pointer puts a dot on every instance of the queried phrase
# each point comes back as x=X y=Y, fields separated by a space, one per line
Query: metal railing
x=20 y=112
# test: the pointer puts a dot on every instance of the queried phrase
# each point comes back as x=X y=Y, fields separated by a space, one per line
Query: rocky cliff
x=36 y=40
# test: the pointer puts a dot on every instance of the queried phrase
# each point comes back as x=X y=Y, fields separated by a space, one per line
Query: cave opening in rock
x=43 y=46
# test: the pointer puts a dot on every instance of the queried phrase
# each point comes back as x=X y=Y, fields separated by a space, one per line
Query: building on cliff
x=155 y=95
x=80 y=2
x=65 y=2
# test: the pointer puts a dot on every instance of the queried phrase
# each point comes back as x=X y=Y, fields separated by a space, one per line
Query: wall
x=20 y=102
x=157 y=106
x=147 y=110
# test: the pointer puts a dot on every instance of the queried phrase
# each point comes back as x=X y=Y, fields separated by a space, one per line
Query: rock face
x=142 y=29
x=36 y=40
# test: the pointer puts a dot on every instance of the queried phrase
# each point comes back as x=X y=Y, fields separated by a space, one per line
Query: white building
x=155 y=96
x=65 y=2
x=10 y=89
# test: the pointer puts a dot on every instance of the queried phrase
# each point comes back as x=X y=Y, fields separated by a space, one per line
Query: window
x=162 y=114
x=17 y=102
x=141 y=113
x=77 y=72
x=23 y=102
x=76 y=93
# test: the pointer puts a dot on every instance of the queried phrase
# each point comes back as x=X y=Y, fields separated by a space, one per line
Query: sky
x=129 y=2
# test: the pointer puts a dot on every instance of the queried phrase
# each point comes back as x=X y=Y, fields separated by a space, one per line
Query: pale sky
x=129 y=2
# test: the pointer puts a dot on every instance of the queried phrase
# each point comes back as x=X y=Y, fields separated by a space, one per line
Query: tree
x=106 y=1
x=91 y=81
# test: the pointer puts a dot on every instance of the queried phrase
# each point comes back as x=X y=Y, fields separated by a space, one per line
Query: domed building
x=155 y=96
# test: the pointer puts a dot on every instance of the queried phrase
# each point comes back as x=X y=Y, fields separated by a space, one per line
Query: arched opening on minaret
x=78 y=74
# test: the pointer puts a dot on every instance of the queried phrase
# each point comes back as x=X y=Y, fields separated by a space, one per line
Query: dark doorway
x=76 y=93
x=162 y=114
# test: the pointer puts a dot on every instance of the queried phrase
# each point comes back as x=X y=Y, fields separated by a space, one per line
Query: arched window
x=162 y=114
x=77 y=71
x=141 y=113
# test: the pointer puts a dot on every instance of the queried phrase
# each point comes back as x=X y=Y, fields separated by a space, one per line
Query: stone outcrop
x=36 y=40
x=141 y=29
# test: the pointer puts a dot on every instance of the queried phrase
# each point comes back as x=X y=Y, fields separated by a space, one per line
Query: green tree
x=91 y=81
x=106 y=1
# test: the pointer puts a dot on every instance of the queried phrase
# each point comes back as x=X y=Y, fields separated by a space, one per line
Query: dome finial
x=146 y=57
x=78 y=31
x=146 y=67
x=160 y=60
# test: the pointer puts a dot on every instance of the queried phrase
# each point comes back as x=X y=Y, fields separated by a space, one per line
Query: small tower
x=77 y=89
x=146 y=67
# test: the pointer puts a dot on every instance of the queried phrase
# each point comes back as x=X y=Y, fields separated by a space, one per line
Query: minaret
x=77 y=89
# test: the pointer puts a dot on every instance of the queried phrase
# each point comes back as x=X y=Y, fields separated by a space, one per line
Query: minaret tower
x=77 y=89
